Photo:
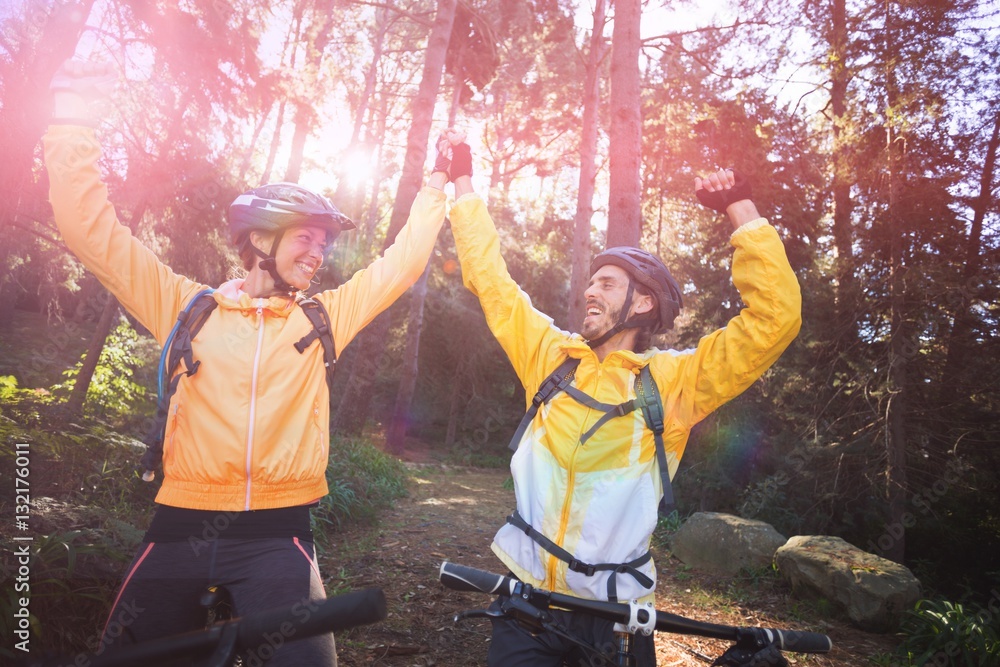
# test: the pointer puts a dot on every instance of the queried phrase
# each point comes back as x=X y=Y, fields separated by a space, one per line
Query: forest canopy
x=869 y=130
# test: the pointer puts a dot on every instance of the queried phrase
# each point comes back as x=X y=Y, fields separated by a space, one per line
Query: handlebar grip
x=313 y=617
x=800 y=642
x=465 y=578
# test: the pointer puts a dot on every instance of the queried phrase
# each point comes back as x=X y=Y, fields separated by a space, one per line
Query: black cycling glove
x=461 y=161
x=721 y=199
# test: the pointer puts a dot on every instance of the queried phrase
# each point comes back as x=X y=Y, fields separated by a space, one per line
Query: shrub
x=362 y=480
x=939 y=632
x=113 y=391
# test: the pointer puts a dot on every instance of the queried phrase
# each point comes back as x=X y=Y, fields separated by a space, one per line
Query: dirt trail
x=452 y=514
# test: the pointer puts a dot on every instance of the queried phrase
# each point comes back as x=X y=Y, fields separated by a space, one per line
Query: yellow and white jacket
x=599 y=500
x=250 y=430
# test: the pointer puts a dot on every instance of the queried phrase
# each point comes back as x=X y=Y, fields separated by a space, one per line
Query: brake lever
x=528 y=616
x=477 y=613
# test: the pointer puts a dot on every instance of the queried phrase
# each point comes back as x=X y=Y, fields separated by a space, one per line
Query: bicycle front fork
x=623 y=650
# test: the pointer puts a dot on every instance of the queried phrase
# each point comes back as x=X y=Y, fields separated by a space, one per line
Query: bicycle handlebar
x=316 y=617
x=465 y=578
x=273 y=627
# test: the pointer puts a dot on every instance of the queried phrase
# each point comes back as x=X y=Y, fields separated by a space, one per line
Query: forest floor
x=452 y=513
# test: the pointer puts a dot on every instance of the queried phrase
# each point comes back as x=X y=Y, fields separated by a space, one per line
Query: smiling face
x=300 y=255
x=604 y=300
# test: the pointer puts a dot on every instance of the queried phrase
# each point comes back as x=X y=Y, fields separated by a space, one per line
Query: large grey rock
x=725 y=544
x=872 y=591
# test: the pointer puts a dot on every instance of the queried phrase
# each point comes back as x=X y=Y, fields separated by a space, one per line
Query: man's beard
x=612 y=314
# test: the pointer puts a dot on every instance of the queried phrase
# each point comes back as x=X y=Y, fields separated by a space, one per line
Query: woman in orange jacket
x=246 y=441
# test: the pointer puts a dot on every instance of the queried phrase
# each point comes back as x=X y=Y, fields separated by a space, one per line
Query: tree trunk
x=371 y=211
x=352 y=412
x=896 y=407
x=109 y=316
x=588 y=174
x=305 y=119
x=248 y=154
x=396 y=436
x=349 y=198
x=272 y=153
x=895 y=473
x=843 y=236
x=455 y=403
x=624 y=208
x=317 y=37
x=959 y=340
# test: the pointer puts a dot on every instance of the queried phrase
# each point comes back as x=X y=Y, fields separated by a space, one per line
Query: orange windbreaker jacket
x=250 y=430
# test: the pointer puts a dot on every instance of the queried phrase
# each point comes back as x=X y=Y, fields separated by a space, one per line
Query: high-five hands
x=453 y=155
x=78 y=83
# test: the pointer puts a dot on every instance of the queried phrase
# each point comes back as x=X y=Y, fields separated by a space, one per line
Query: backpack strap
x=323 y=330
x=175 y=350
x=652 y=412
x=610 y=411
x=588 y=569
x=647 y=399
x=557 y=381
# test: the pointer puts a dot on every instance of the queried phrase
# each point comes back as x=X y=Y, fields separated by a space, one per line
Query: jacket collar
x=230 y=294
x=576 y=347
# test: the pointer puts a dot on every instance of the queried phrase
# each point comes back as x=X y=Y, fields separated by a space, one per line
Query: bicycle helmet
x=646 y=269
x=275 y=208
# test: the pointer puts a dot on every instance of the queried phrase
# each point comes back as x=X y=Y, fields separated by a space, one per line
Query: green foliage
x=8 y=387
x=68 y=589
x=666 y=526
x=21 y=404
x=362 y=481
x=767 y=500
x=939 y=632
x=112 y=391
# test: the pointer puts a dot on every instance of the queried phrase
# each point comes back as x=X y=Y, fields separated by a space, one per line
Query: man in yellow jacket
x=588 y=496
x=246 y=444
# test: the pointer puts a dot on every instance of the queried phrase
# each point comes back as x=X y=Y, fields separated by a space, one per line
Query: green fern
x=939 y=630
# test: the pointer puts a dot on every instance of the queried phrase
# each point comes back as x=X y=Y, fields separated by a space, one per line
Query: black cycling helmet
x=646 y=269
x=277 y=207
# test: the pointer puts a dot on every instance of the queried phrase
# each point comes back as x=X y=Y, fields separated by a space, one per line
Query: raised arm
x=146 y=287
x=373 y=289
x=529 y=338
x=727 y=361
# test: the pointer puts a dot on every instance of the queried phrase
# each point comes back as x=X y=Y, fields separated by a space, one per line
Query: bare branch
x=54 y=241
x=647 y=41
x=428 y=22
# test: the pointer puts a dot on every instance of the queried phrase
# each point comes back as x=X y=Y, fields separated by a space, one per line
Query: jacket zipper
x=568 y=502
x=253 y=398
